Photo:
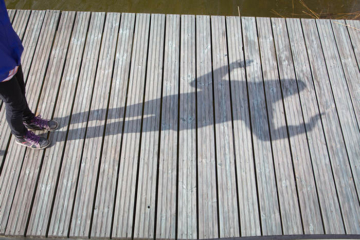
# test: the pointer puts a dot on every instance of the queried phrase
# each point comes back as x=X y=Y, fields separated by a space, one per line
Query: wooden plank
x=207 y=189
x=40 y=215
x=225 y=155
x=65 y=195
x=267 y=191
x=85 y=196
x=20 y=24
x=125 y=195
x=33 y=159
x=349 y=65
x=187 y=206
x=288 y=199
x=246 y=177
x=17 y=152
x=353 y=27
x=166 y=198
x=146 y=188
x=305 y=182
x=105 y=196
x=11 y=13
x=316 y=140
x=30 y=41
x=345 y=125
x=351 y=72
x=322 y=166
x=9 y=179
x=41 y=57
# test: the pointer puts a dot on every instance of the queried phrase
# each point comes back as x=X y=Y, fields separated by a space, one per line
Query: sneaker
x=37 y=123
x=31 y=140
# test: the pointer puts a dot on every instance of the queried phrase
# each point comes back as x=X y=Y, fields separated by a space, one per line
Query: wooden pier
x=185 y=127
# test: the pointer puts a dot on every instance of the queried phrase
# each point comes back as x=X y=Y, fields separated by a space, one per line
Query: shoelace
x=40 y=122
x=32 y=138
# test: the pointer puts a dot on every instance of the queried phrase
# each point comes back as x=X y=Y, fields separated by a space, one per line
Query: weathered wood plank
x=350 y=67
x=26 y=177
x=246 y=177
x=32 y=163
x=322 y=167
x=288 y=199
x=225 y=155
x=125 y=196
x=187 y=208
x=11 y=13
x=41 y=57
x=148 y=164
x=40 y=215
x=317 y=145
x=166 y=198
x=207 y=189
x=104 y=206
x=65 y=195
x=349 y=62
x=85 y=196
x=33 y=159
x=305 y=182
x=326 y=189
x=267 y=191
x=353 y=27
x=20 y=23
x=344 y=126
x=29 y=43
x=31 y=40
x=9 y=179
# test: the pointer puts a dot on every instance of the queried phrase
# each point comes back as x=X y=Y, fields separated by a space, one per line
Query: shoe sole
x=42 y=148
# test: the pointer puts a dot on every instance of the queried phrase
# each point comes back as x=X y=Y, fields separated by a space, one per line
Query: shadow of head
x=291 y=87
x=301 y=85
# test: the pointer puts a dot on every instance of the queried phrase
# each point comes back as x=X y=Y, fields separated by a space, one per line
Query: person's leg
x=15 y=103
x=11 y=94
x=31 y=121
x=27 y=113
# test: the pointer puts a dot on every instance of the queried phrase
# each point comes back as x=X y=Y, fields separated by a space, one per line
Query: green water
x=349 y=9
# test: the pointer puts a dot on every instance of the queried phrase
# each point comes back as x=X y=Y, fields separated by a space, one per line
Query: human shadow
x=201 y=84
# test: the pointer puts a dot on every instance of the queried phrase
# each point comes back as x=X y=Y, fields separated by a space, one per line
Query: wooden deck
x=185 y=127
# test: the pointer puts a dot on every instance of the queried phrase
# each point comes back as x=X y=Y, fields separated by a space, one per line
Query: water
x=349 y=9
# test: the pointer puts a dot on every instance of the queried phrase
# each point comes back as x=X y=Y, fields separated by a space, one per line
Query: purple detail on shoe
x=40 y=122
x=32 y=138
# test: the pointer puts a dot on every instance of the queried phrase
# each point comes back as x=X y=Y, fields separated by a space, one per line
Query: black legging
x=12 y=92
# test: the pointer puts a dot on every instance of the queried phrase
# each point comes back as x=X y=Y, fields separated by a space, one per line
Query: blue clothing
x=10 y=45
